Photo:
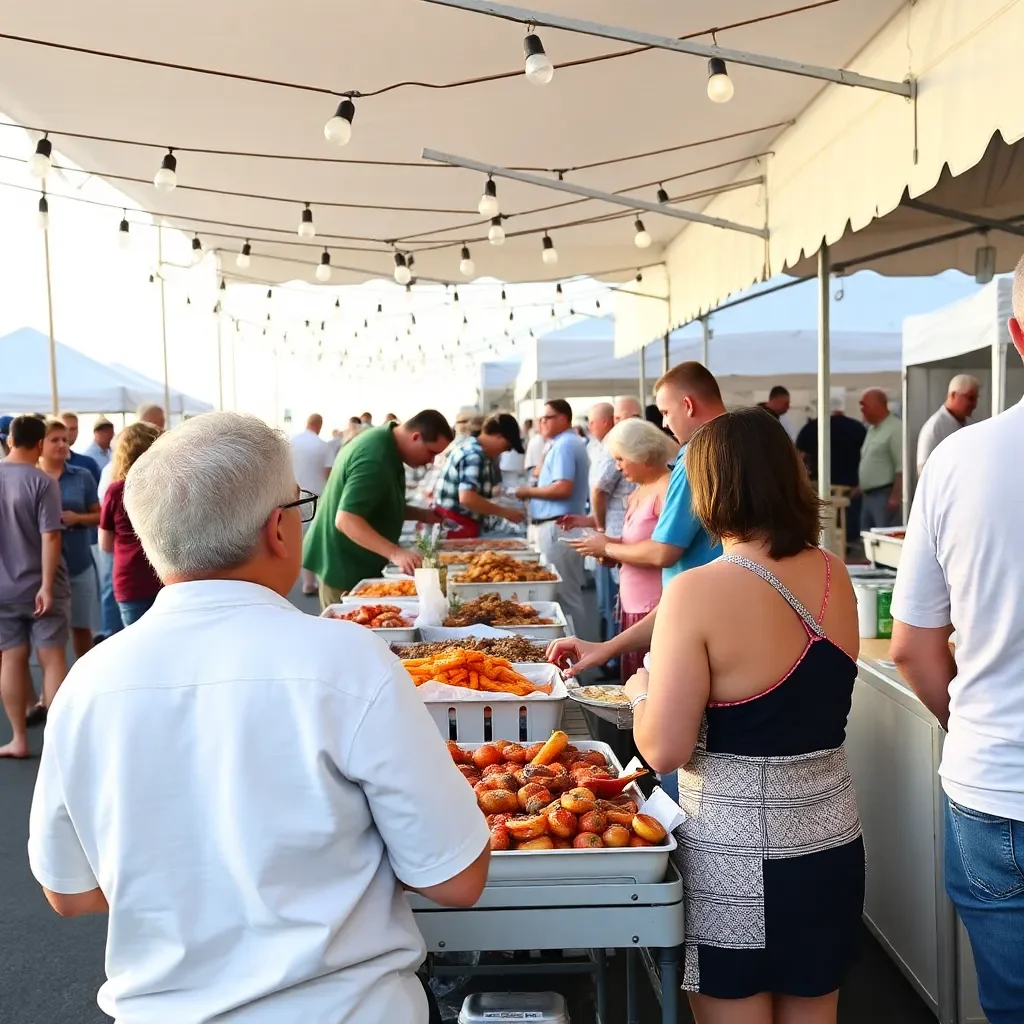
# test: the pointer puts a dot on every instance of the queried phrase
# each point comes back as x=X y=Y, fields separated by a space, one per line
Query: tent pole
x=163 y=317
x=220 y=367
x=234 y=377
x=643 y=375
x=54 y=397
x=705 y=341
x=824 y=378
x=666 y=356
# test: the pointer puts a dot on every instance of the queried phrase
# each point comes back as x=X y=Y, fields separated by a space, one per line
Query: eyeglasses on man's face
x=305 y=503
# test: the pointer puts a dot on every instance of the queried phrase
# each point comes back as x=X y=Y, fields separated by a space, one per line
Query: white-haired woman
x=643 y=453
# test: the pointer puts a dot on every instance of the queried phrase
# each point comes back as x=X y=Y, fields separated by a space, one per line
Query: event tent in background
x=579 y=362
x=83 y=384
x=969 y=336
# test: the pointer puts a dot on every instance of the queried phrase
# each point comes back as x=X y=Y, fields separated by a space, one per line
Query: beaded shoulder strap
x=759 y=570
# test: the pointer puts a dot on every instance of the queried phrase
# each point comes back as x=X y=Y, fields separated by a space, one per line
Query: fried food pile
x=492 y=610
x=511 y=648
x=543 y=797
x=375 y=616
x=494 y=567
x=473 y=670
x=394 y=588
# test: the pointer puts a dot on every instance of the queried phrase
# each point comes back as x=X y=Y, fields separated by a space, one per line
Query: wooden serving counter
x=894 y=745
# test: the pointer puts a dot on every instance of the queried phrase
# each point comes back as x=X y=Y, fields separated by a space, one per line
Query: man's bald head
x=627 y=408
x=874 y=405
x=601 y=419
x=315 y=423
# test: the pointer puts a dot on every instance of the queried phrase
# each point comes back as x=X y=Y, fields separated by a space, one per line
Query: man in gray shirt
x=35 y=599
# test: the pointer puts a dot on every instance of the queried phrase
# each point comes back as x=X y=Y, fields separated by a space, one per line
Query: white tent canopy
x=969 y=336
x=85 y=385
x=580 y=361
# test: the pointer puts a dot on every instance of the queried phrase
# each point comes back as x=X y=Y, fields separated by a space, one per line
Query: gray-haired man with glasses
x=231 y=778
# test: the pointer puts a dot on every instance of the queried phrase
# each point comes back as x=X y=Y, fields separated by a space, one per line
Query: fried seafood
x=494 y=567
x=392 y=588
x=517 y=649
x=492 y=610
x=475 y=671
x=374 y=616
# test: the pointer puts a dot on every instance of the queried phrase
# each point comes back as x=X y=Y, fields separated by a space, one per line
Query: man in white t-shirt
x=247 y=788
x=961 y=401
x=962 y=568
x=310 y=459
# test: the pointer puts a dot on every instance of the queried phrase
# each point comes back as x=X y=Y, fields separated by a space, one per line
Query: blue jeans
x=607 y=596
x=132 y=611
x=985 y=880
x=110 y=614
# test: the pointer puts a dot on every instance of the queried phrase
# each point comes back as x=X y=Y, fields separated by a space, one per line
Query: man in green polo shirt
x=361 y=511
x=881 y=463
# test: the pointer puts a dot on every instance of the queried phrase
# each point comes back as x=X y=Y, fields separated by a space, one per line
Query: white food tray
x=644 y=864
x=355 y=595
x=525 y=592
x=467 y=716
x=545 y=610
x=882 y=548
x=478 y=544
x=410 y=609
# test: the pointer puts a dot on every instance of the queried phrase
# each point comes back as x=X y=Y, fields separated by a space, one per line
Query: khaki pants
x=328 y=595
x=569 y=564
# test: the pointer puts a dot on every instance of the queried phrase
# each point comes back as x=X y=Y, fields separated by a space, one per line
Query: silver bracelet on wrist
x=636 y=700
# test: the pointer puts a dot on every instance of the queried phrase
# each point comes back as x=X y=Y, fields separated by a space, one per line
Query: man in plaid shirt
x=470 y=475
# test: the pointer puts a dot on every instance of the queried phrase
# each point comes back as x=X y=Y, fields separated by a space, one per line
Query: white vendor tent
x=579 y=361
x=87 y=386
x=969 y=336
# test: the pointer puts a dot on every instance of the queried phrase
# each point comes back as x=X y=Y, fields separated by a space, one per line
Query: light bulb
x=466 y=265
x=539 y=69
x=323 y=272
x=720 y=87
x=642 y=239
x=244 y=258
x=306 y=229
x=662 y=195
x=39 y=162
x=496 y=233
x=124 y=239
x=403 y=275
x=197 y=250
x=549 y=254
x=339 y=128
x=165 y=179
x=488 y=205
x=43 y=214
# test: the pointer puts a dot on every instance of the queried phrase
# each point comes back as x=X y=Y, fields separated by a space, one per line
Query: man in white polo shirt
x=246 y=787
x=961 y=401
x=962 y=567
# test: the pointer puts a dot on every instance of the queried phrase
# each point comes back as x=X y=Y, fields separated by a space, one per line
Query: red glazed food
x=587 y=841
x=615 y=835
x=594 y=821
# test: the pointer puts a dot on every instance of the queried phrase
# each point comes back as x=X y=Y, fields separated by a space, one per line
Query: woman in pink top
x=643 y=453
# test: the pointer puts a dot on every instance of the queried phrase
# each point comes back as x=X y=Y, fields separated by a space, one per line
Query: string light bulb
x=166 y=178
x=244 y=258
x=43 y=214
x=323 y=272
x=496 y=233
x=466 y=265
x=539 y=69
x=197 y=250
x=39 y=162
x=306 y=228
x=662 y=194
x=488 y=205
x=339 y=128
x=402 y=272
x=504 y=297
x=124 y=239
x=548 y=252
x=720 y=87
x=642 y=239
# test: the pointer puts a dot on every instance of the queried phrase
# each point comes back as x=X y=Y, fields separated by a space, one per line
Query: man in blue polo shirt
x=562 y=489
x=688 y=397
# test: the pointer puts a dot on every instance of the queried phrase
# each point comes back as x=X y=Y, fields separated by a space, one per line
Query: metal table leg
x=668 y=962
x=632 y=1002
x=600 y=991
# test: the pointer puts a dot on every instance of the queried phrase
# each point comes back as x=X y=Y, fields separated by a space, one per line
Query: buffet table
x=894 y=745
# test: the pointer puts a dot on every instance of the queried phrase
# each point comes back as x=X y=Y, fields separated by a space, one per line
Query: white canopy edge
x=851 y=155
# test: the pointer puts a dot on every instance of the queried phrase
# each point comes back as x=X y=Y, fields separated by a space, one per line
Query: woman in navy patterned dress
x=748 y=697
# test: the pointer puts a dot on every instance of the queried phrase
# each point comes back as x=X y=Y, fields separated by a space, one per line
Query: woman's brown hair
x=131 y=443
x=748 y=482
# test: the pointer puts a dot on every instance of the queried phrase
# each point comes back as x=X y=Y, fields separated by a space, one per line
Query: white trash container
x=874 y=614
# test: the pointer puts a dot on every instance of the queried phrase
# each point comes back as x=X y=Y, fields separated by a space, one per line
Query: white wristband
x=636 y=700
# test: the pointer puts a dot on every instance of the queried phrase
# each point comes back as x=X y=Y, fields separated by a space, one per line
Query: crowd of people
x=247 y=789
